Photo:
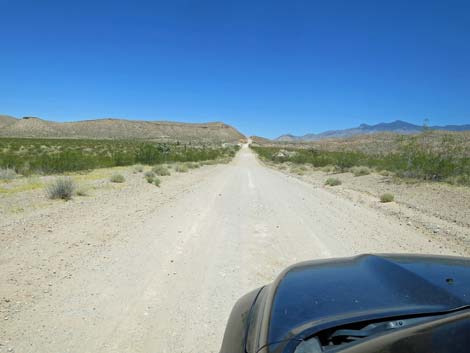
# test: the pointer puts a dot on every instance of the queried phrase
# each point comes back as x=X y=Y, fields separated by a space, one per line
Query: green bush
x=161 y=170
x=117 y=178
x=427 y=157
x=157 y=182
x=61 y=188
x=387 y=197
x=332 y=182
x=49 y=156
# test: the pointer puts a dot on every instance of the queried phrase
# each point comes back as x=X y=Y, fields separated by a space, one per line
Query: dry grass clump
x=459 y=180
x=161 y=170
x=61 y=188
x=360 y=171
x=332 y=182
x=192 y=165
x=387 y=197
x=117 y=178
x=7 y=174
x=181 y=168
x=328 y=169
x=81 y=191
x=138 y=168
x=299 y=169
x=210 y=162
x=385 y=173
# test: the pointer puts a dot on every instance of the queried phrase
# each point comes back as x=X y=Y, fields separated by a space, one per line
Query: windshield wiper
x=371 y=329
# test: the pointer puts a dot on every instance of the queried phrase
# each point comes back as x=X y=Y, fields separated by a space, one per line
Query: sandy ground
x=136 y=268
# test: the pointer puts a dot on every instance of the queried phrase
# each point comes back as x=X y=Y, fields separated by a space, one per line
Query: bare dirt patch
x=438 y=210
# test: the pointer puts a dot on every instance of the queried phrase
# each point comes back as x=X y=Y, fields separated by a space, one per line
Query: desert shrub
x=117 y=178
x=298 y=170
x=61 y=188
x=192 y=165
x=328 y=169
x=161 y=170
x=387 y=197
x=149 y=174
x=360 y=171
x=7 y=174
x=181 y=168
x=385 y=173
x=149 y=178
x=425 y=156
x=157 y=182
x=332 y=182
x=49 y=156
x=138 y=168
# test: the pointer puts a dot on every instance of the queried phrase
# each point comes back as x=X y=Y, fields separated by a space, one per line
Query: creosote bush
x=161 y=170
x=117 y=178
x=332 y=182
x=52 y=156
x=387 y=197
x=61 y=188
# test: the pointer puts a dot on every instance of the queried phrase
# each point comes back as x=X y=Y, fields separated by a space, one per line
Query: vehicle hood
x=316 y=295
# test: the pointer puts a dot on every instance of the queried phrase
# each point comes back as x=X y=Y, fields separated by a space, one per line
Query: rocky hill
x=119 y=129
x=398 y=126
x=6 y=120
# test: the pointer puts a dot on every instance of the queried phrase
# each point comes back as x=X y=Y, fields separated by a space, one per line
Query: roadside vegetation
x=54 y=156
x=427 y=156
x=333 y=182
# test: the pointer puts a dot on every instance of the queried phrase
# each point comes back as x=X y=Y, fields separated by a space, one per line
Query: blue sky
x=266 y=67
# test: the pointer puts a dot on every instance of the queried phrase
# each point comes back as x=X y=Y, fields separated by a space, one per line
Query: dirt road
x=158 y=271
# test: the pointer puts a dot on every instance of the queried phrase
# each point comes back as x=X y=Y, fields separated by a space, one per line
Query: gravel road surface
x=159 y=271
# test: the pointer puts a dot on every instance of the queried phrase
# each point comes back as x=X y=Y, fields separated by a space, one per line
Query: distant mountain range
x=119 y=129
x=398 y=126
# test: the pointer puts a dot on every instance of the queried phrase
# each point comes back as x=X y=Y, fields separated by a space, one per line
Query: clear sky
x=266 y=67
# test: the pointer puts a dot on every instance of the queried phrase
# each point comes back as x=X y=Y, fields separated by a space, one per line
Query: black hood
x=316 y=295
